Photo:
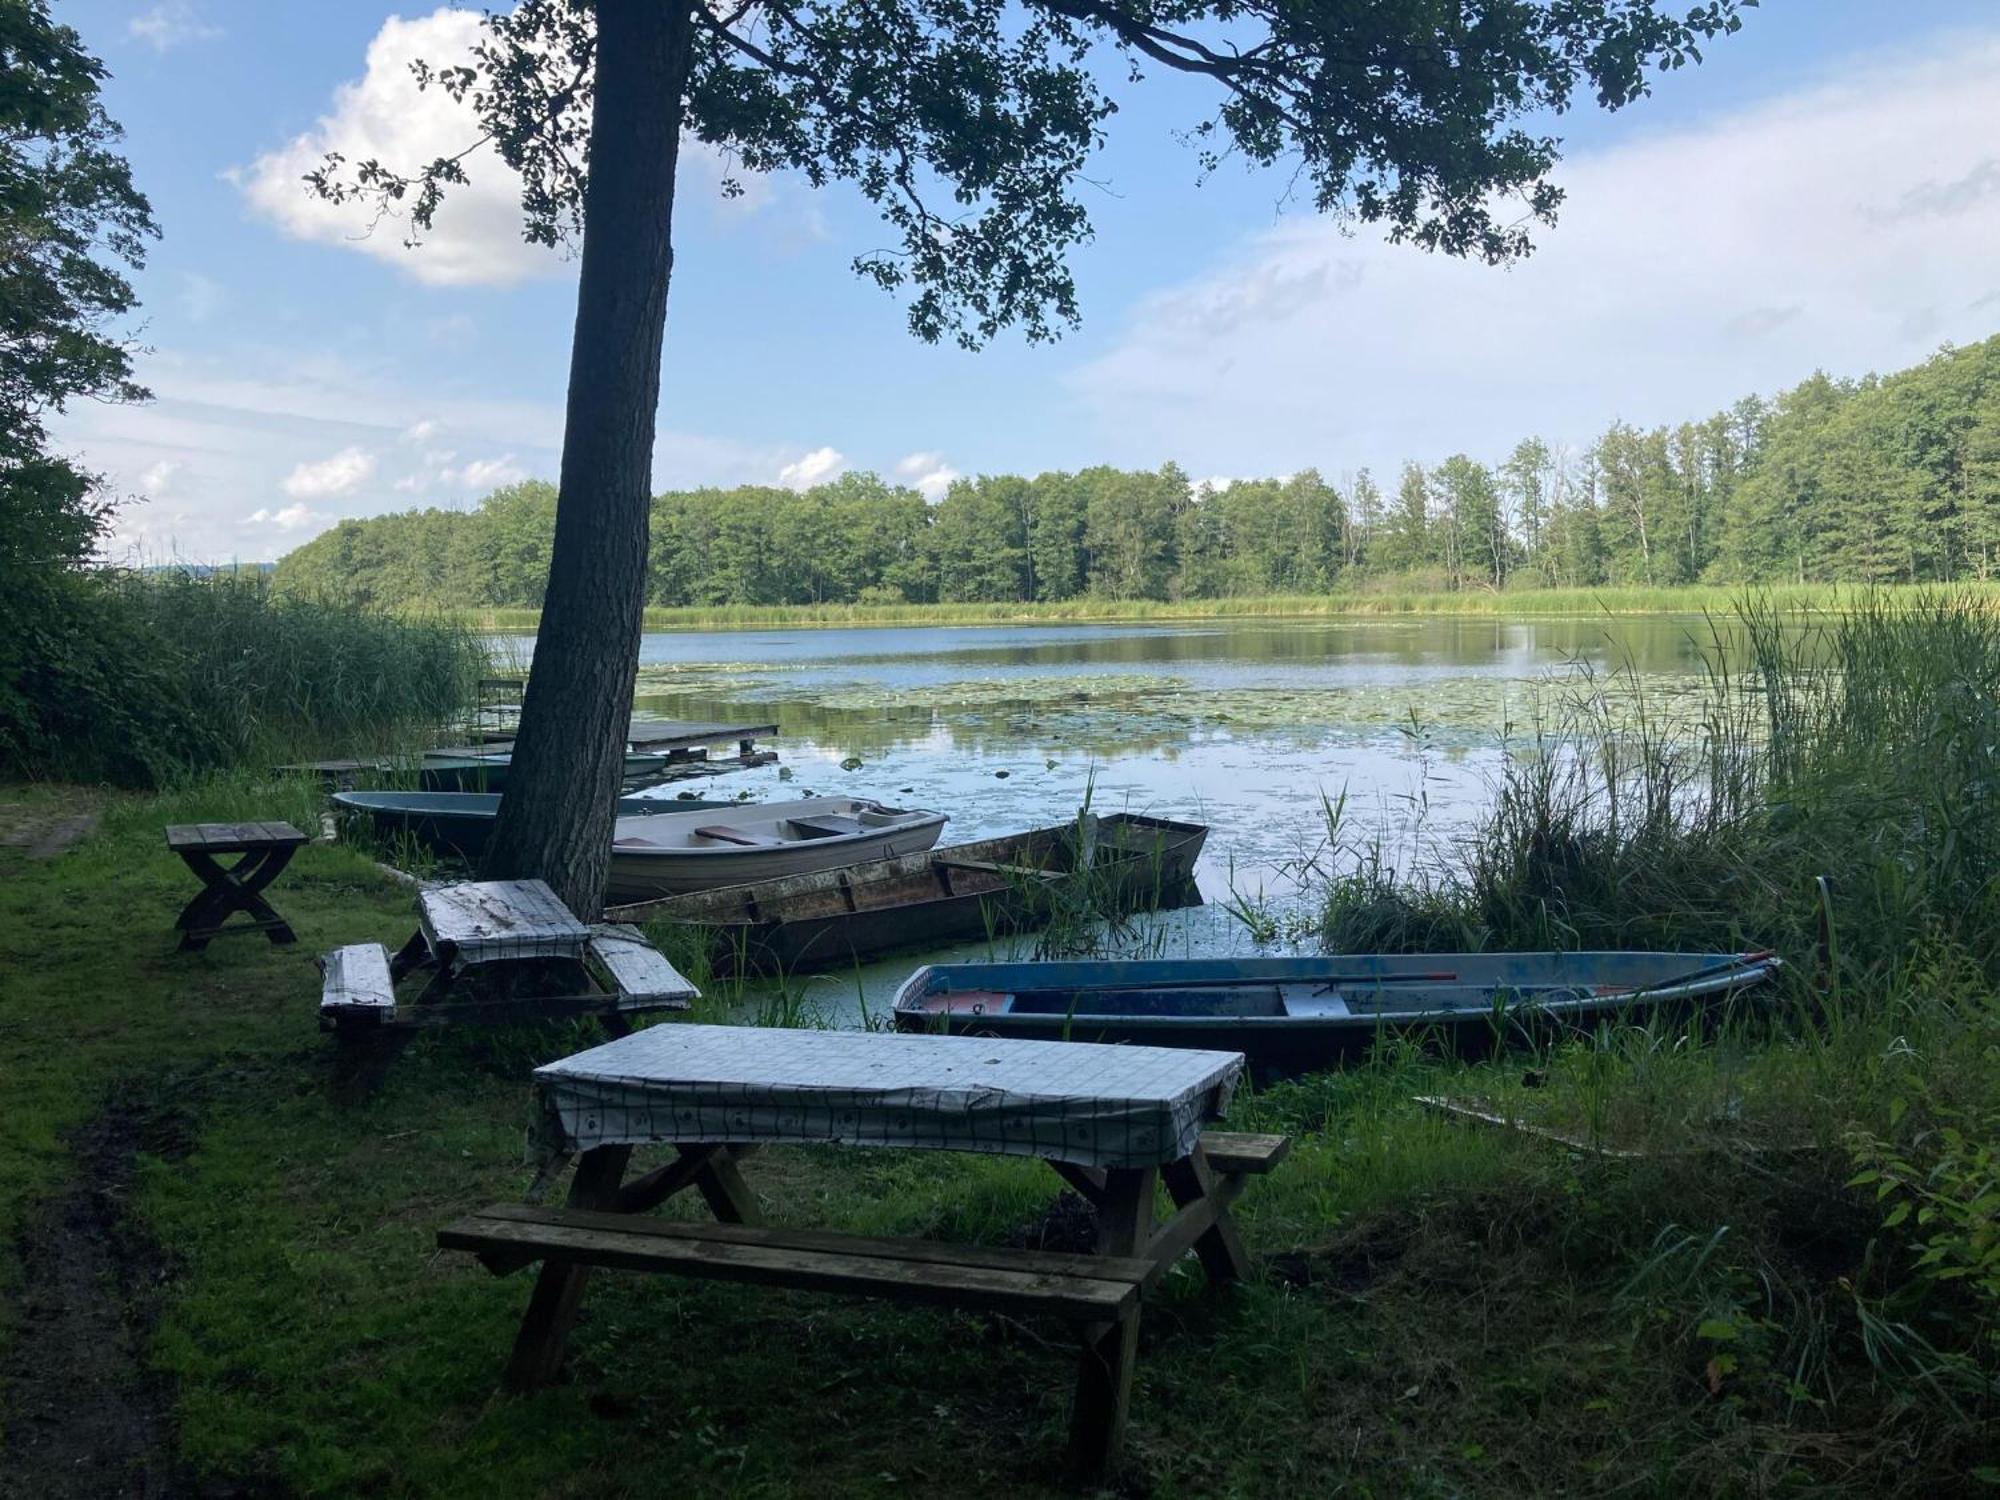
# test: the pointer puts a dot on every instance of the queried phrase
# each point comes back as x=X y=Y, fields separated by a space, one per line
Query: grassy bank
x=1505 y=604
x=1441 y=1308
x=138 y=679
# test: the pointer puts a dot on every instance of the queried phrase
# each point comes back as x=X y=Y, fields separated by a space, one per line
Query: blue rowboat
x=460 y=822
x=1294 y=1013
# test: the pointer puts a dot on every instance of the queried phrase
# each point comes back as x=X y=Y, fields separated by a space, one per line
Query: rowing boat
x=1110 y=865
x=460 y=822
x=673 y=852
x=1292 y=1013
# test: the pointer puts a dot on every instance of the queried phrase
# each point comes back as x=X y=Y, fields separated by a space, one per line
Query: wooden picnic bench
x=499 y=951
x=1114 y=1122
x=263 y=850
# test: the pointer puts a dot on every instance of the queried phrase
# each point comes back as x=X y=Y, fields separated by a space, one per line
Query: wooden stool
x=266 y=848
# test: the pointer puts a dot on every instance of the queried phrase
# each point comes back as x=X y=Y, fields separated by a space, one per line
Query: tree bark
x=555 y=819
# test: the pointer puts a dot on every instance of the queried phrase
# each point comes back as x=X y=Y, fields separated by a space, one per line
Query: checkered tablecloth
x=1060 y=1101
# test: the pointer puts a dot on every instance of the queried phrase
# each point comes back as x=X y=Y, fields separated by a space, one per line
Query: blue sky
x=1824 y=191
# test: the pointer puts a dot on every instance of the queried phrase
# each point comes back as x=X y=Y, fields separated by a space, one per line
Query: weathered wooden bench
x=607 y=970
x=1098 y=1295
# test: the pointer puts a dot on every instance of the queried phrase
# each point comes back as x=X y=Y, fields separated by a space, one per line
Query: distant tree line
x=1879 y=480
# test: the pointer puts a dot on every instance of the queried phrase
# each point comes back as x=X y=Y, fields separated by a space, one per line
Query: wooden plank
x=777 y=1264
x=483 y=920
x=1231 y=1151
x=357 y=985
x=1139 y=1271
x=232 y=838
x=676 y=734
x=637 y=970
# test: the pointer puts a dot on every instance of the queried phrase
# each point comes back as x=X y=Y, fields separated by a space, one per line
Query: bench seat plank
x=1242 y=1153
x=357 y=985
x=1139 y=1272
x=637 y=970
x=772 y=1259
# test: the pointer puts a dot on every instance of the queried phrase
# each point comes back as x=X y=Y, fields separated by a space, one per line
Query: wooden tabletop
x=1060 y=1101
x=232 y=838
x=483 y=921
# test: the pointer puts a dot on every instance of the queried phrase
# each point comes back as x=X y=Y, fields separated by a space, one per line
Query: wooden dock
x=677 y=739
x=685 y=743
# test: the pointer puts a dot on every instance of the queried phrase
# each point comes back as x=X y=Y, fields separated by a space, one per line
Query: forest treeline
x=1885 y=479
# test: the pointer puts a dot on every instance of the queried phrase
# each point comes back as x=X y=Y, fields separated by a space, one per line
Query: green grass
x=1441 y=1310
x=1371 y=601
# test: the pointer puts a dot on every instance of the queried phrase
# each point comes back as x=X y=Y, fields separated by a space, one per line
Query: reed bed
x=140 y=679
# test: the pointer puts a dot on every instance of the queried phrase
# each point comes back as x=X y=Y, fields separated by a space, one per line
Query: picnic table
x=504 y=950
x=1113 y=1122
x=263 y=850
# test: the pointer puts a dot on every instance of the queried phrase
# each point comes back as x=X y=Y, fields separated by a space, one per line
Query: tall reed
x=140 y=678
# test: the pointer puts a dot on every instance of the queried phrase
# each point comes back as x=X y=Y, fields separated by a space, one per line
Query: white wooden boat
x=697 y=851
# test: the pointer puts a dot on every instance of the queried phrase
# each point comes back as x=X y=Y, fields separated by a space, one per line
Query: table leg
x=1104 y=1374
x=720 y=1182
x=230 y=889
x=558 y=1294
x=1220 y=1247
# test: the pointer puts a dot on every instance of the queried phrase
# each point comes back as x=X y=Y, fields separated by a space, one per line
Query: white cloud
x=816 y=467
x=291 y=518
x=476 y=239
x=170 y=24
x=485 y=474
x=158 y=479
x=926 y=473
x=341 y=474
x=1849 y=225
x=420 y=432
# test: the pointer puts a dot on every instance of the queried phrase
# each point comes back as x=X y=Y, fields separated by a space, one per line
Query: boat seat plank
x=357 y=986
x=1086 y=1288
x=828 y=825
x=724 y=834
x=636 y=969
x=1242 y=1153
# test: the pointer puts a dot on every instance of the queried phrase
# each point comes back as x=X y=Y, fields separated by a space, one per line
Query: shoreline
x=1523 y=604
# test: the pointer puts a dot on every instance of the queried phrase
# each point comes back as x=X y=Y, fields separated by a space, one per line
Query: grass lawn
x=1443 y=1309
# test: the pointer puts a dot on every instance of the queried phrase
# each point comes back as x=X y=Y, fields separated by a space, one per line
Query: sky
x=1822 y=193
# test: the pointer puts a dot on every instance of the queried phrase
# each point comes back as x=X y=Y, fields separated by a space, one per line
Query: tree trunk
x=555 y=820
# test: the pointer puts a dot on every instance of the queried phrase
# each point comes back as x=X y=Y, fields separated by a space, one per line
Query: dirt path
x=81 y=1415
x=43 y=832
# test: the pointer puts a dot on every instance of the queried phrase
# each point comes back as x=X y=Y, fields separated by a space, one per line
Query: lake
x=1245 y=725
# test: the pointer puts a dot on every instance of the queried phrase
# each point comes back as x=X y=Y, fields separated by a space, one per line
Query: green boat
x=488 y=773
x=461 y=822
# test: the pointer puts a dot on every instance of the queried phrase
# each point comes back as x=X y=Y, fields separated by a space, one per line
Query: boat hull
x=644 y=866
x=965 y=892
x=459 y=823
x=1291 y=1015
